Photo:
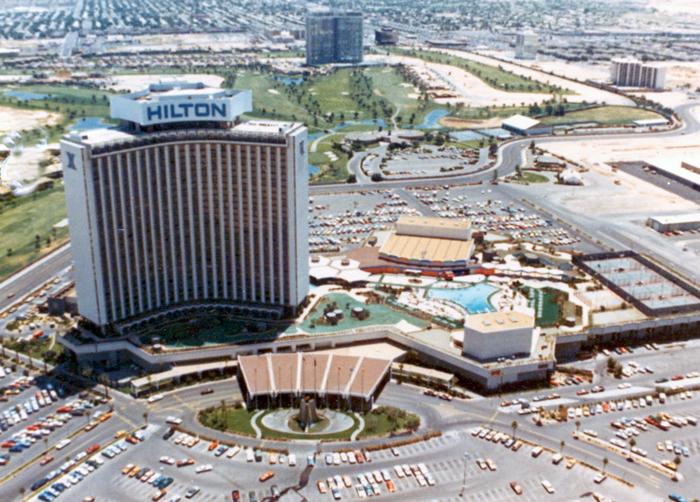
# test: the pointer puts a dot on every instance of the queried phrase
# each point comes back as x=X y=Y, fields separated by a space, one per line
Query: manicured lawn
x=342 y=435
x=530 y=177
x=388 y=82
x=494 y=76
x=234 y=420
x=386 y=419
x=275 y=105
x=22 y=219
x=604 y=115
x=331 y=170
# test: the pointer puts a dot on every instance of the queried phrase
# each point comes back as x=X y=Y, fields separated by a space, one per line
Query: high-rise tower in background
x=333 y=37
x=183 y=206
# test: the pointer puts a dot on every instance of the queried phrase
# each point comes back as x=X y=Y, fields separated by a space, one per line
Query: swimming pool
x=475 y=298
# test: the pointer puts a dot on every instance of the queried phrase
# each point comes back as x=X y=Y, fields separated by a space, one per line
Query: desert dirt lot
x=599 y=151
x=583 y=92
x=13 y=119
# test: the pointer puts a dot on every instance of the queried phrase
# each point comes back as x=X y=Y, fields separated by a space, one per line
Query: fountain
x=307 y=413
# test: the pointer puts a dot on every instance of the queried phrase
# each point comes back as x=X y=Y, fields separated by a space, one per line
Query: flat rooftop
x=499 y=321
x=95 y=137
x=426 y=249
x=434 y=222
x=677 y=218
x=674 y=167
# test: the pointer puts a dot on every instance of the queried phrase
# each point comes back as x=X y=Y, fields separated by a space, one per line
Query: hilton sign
x=187 y=111
x=181 y=104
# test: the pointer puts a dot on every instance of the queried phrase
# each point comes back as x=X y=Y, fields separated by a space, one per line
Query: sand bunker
x=15 y=119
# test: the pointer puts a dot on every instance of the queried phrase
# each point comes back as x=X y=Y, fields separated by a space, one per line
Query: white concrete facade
x=188 y=216
x=499 y=334
x=626 y=73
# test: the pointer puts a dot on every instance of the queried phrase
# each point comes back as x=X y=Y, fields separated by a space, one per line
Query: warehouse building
x=525 y=126
x=429 y=242
x=671 y=223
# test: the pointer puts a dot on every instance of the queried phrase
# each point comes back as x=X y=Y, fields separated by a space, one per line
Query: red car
x=677 y=377
x=92 y=449
x=235 y=496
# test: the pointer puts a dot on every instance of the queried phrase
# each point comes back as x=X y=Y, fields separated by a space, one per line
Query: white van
x=292 y=460
x=249 y=457
x=536 y=451
x=556 y=459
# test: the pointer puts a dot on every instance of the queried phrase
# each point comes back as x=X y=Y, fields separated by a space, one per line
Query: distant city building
x=386 y=36
x=183 y=207
x=333 y=37
x=628 y=73
x=526 y=45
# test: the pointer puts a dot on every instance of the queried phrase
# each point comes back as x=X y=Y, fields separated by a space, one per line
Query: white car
x=204 y=468
x=548 y=486
x=156 y=397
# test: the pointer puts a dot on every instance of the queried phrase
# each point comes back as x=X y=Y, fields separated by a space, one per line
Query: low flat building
x=670 y=223
x=683 y=172
x=429 y=242
x=525 y=126
x=498 y=334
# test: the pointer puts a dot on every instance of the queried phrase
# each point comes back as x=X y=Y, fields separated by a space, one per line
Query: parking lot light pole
x=464 y=481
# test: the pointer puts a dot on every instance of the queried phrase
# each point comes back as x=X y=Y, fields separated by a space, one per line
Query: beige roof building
x=429 y=241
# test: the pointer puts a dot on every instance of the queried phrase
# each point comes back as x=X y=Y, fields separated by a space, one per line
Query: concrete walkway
x=359 y=429
x=254 y=425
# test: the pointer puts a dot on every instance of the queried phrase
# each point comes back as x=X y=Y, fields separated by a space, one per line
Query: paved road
x=509 y=157
x=34 y=276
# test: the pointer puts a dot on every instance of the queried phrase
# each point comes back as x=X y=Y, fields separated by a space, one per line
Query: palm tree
x=605 y=463
x=561 y=445
x=145 y=417
x=578 y=424
x=87 y=415
x=633 y=443
x=21 y=491
x=46 y=443
x=514 y=426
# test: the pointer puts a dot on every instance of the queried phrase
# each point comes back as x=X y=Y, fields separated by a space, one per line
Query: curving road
x=509 y=158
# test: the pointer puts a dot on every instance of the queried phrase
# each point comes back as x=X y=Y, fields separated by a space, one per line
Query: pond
x=25 y=96
x=431 y=120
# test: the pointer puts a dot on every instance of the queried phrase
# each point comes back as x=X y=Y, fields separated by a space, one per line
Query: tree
x=493 y=149
x=605 y=463
x=145 y=417
x=578 y=424
x=611 y=364
x=562 y=443
x=352 y=178
x=21 y=491
x=633 y=443
x=46 y=443
x=514 y=426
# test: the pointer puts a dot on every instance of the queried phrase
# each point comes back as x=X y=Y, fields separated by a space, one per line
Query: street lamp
x=464 y=481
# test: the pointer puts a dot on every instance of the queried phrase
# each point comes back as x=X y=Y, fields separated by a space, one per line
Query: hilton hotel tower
x=184 y=206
